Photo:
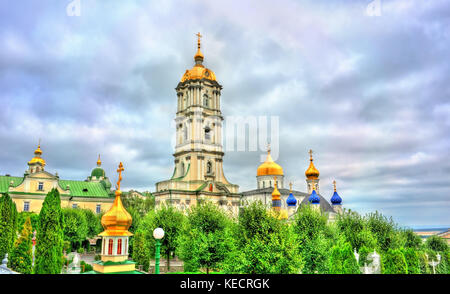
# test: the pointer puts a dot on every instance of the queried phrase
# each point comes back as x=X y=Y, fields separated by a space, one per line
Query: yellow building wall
x=36 y=201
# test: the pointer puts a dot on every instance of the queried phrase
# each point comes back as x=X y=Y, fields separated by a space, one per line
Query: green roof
x=5 y=180
x=84 y=189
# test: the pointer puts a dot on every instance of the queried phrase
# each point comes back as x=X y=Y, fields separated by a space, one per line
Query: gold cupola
x=117 y=220
x=311 y=173
x=198 y=71
x=99 y=162
x=37 y=156
x=269 y=167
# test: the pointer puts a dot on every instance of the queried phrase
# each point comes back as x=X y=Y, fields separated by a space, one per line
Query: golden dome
x=311 y=173
x=117 y=220
x=198 y=71
x=37 y=157
x=276 y=194
x=269 y=167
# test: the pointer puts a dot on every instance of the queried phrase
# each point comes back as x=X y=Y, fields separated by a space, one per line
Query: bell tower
x=198 y=169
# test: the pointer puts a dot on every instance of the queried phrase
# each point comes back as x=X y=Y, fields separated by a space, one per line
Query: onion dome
x=98 y=171
x=311 y=173
x=336 y=199
x=106 y=184
x=276 y=196
x=37 y=156
x=314 y=198
x=291 y=201
x=116 y=221
x=269 y=167
x=198 y=71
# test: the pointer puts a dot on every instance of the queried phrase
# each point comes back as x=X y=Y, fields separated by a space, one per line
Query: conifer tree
x=21 y=256
x=49 y=237
x=8 y=224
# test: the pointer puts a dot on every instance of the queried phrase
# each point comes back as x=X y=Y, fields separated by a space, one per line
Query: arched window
x=209 y=167
x=205 y=100
x=185 y=133
x=110 y=246
x=119 y=246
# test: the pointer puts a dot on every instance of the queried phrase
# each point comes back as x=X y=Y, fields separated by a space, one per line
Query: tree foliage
x=75 y=226
x=342 y=260
x=49 y=237
x=393 y=262
x=205 y=239
x=262 y=244
x=8 y=224
x=21 y=256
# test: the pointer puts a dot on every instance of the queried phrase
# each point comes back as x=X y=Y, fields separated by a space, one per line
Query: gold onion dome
x=311 y=173
x=198 y=71
x=117 y=220
x=37 y=156
x=275 y=193
x=269 y=167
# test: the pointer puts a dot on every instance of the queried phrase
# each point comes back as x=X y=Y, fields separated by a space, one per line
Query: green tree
x=393 y=262
x=139 y=204
x=363 y=254
x=49 y=237
x=22 y=217
x=412 y=260
x=141 y=251
x=204 y=241
x=412 y=240
x=171 y=221
x=21 y=256
x=342 y=260
x=436 y=243
x=263 y=244
x=8 y=224
x=94 y=226
x=384 y=230
x=75 y=226
x=310 y=229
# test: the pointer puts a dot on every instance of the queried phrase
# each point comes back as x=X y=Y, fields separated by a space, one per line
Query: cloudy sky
x=368 y=92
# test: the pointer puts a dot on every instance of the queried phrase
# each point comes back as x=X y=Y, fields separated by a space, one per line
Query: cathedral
x=198 y=165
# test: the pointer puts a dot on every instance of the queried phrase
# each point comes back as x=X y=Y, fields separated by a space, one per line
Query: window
x=119 y=246
x=110 y=247
x=26 y=206
x=185 y=132
x=75 y=205
x=98 y=208
x=207 y=133
x=209 y=167
x=205 y=101
x=41 y=186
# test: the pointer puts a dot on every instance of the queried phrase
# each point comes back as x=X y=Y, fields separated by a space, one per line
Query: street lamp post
x=158 y=233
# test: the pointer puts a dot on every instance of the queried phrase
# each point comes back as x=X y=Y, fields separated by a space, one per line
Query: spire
x=276 y=199
x=99 y=162
x=291 y=201
x=311 y=173
x=37 y=156
x=117 y=220
x=198 y=57
x=335 y=199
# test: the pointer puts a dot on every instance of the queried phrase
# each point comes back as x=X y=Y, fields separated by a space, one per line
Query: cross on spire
x=310 y=154
x=290 y=186
x=120 y=170
x=334 y=184
x=198 y=41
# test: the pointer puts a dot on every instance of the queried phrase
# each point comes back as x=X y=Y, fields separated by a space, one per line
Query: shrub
x=393 y=262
